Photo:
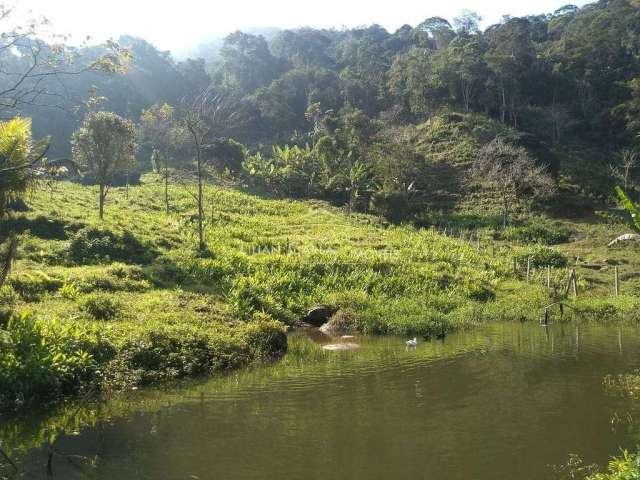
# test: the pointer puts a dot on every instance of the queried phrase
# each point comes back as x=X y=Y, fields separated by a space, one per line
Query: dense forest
x=388 y=122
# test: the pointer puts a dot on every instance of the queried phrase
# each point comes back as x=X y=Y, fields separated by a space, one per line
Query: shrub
x=536 y=232
x=101 y=306
x=95 y=245
x=115 y=278
x=624 y=467
x=341 y=322
x=69 y=290
x=175 y=351
x=42 y=360
x=265 y=337
x=541 y=257
x=31 y=286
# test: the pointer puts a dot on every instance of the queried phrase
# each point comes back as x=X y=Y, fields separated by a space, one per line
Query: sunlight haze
x=171 y=28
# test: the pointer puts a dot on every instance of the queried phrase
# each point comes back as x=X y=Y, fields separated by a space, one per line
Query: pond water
x=502 y=402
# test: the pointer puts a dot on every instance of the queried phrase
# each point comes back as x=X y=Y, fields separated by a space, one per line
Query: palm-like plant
x=632 y=208
x=23 y=160
x=634 y=213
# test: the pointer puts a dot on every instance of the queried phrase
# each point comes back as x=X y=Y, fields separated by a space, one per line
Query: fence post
x=572 y=283
x=528 y=268
x=548 y=277
x=616 y=283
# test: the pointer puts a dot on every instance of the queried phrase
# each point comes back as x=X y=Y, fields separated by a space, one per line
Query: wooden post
x=528 y=268
x=616 y=282
x=548 y=277
x=572 y=284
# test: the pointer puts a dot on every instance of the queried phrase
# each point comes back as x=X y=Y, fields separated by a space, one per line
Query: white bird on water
x=413 y=342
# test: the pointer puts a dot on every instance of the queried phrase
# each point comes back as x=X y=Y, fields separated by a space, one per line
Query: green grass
x=163 y=311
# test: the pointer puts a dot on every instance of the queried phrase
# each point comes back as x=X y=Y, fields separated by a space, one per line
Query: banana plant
x=634 y=213
x=632 y=208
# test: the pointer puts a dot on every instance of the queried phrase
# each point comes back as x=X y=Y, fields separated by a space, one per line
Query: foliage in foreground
x=624 y=467
x=45 y=359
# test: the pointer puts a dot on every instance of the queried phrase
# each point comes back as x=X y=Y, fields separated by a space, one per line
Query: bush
x=170 y=352
x=31 y=286
x=394 y=206
x=115 y=278
x=537 y=232
x=95 y=245
x=541 y=257
x=42 y=360
x=624 y=467
x=101 y=306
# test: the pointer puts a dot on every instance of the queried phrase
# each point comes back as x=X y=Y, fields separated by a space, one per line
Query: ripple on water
x=500 y=402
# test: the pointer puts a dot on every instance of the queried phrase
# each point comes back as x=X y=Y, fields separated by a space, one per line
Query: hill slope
x=129 y=301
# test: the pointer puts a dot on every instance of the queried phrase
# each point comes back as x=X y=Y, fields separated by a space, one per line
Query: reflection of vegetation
x=624 y=385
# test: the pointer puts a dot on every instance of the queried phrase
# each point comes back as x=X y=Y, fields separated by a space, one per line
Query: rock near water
x=319 y=315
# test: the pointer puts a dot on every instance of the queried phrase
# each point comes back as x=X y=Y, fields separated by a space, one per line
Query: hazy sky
x=176 y=25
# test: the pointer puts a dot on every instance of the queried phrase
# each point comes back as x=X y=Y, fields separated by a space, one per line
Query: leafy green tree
x=415 y=82
x=434 y=33
x=246 y=63
x=511 y=58
x=158 y=126
x=104 y=145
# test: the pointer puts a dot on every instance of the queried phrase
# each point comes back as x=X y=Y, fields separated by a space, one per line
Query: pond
x=504 y=401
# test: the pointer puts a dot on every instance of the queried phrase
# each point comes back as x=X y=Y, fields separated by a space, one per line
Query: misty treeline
x=339 y=114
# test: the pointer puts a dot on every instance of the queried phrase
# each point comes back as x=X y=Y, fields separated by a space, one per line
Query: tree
x=209 y=116
x=511 y=58
x=27 y=62
x=246 y=63
x=103 y=146
x=158 y=130
x=624 y=171
x=509 y=173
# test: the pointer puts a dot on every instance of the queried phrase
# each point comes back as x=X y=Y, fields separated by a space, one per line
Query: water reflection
x=501 y=402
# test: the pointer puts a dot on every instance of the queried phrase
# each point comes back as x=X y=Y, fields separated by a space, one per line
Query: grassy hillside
x=129 y=301
x=447 y=145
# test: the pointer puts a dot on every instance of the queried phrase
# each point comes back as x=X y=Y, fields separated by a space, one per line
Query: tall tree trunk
x=201 y=245
x=505 y=212
x=166 y=188
x=102 y=195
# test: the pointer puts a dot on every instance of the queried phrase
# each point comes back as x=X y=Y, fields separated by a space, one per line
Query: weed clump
x=541 y=256
x=536 y=232
x=101 y=306
x=44 y=360
x=32 y=286
x=96 y=245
